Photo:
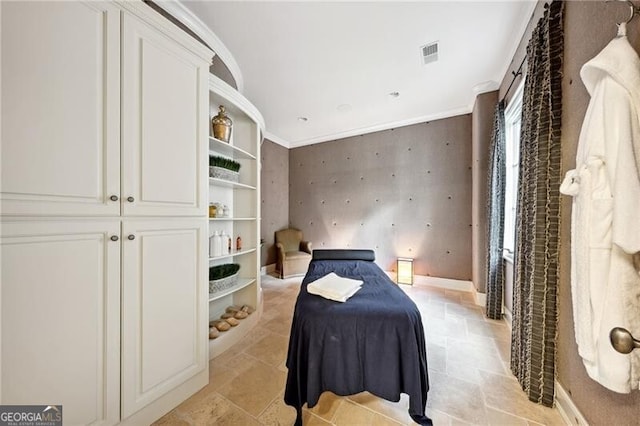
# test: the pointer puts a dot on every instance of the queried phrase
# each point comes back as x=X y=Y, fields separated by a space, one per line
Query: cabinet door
x=164 y=125
x=60 y=108
x=60 y=318
x=164 y=307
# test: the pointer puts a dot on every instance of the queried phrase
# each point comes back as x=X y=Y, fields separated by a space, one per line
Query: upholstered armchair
x=294 y=254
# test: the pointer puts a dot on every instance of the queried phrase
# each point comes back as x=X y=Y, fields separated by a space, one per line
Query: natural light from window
x=513 y=118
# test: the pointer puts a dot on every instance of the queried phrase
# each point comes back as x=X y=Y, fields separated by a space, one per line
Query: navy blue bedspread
x=373 y=342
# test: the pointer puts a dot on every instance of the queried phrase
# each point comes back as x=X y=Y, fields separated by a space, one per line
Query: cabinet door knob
x=114 y=238
x=131 y=237
x=114 y=198
x=130 y=199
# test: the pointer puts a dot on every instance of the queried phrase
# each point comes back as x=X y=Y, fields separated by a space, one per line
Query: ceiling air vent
x=429 y=53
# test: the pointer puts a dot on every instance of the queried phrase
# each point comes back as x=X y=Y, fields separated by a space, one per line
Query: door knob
x=622 y=341
x=114 y=198
x=130 y=199
x=114 y=238
x=131 y=237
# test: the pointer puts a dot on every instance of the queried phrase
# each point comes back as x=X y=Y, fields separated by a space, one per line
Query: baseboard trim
x=446 y=283
x=268 y=269
x=567 y=409
x=508 y=317
x=480 y=298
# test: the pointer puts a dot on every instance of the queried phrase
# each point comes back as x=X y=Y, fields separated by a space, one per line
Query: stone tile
x=278 y=414
x=458 y=422
x=437 y=357
x=219 y=376
x=270 y=296
x=215 y=410
x=171 y=419
x=380 y=420
x=236 y=362
x=398 y=411
x=464 y=371
x=283 y=366
x=326 y=406
x=497 y=329
x=499 y=418
x=487 y=342
x=454 y=295
x=432 y=309
x=281 y=324
x=504 y=348
x=438 y=417
x=271 y=349
x=309 y=419
x=418 y=296
x=467 y=355
x=467 y=297
x=256 y=334
x=457 y=398
x=350 y=414
x=505 y=394
x=462 y=351
x=450 y=327
x=255 y=388
x=461 y=310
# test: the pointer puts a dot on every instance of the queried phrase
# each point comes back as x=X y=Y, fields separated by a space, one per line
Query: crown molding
x=381 y=127
x=179 y=11
x=277 y=139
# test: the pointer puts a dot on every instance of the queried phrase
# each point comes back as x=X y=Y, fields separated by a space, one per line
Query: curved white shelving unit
x=243 y=201
x=242 y=283
x=229 y=184
x=233 y=254
x=226 y=219
x=232 y=336
x=216 y=146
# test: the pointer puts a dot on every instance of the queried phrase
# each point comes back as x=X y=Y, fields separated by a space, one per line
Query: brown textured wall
x=589 y=26
x=403 y=192
x=274 y=179
x=482 y=126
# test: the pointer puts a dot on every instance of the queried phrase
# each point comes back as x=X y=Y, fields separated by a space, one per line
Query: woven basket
x=222 y=173
x=222 y=284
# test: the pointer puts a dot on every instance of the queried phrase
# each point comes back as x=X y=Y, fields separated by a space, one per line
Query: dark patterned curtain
x=537 y=240
x=495 y=215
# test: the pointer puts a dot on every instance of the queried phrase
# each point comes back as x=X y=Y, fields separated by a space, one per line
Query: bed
x=372 y=342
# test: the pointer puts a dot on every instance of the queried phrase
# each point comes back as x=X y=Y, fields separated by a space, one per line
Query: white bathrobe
x=605 y=184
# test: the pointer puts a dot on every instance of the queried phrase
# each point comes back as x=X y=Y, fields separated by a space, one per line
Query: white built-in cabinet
x=103 y=191
x=243 y=198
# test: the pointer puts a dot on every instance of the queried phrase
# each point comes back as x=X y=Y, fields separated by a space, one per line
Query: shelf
x=216 y=146
x=227 y=219
x=229 y=184
x=242 y=283
x=233 y=335
x=234 y=253
x=242 y=198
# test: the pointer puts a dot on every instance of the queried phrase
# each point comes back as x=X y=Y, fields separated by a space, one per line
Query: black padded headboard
x=357 y=254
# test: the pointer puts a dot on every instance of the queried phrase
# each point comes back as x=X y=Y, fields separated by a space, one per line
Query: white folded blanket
x=334 y=287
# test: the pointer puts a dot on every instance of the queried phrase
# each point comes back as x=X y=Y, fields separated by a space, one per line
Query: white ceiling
x=336 y=63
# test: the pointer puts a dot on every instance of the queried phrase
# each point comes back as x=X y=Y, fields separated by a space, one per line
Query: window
x=512 y=118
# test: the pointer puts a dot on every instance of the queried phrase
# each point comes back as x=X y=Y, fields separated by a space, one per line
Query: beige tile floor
x=468 y=358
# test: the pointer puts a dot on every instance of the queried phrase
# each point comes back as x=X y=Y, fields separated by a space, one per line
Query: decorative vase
x=221 y=124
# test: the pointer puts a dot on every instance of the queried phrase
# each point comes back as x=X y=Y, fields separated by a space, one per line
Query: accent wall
x=404 y=192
